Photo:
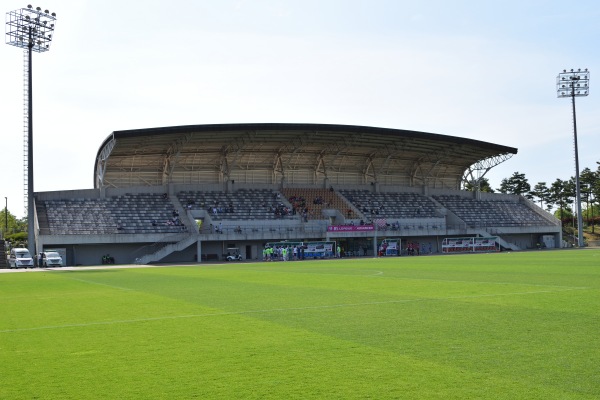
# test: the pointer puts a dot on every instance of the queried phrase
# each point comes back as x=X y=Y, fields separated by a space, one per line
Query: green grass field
x=491 y=326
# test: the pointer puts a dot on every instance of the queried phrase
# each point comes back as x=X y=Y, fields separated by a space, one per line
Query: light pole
x=5 y=216
x=575 y=84
x=30 y=29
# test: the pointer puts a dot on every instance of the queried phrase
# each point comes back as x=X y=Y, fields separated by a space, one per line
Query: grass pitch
x=491 y=326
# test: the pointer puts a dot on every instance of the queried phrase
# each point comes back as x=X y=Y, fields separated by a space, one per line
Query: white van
x=50 y=258
x=20 y=258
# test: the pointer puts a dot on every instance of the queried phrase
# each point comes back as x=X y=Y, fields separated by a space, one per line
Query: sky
x=479 y=69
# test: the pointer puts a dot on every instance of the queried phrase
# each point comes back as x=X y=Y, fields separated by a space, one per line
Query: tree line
x=11 y=227
x=558 y=195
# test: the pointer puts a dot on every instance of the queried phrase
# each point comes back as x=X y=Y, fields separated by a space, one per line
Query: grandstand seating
x=153 y=212
x=129 y=213
x=240 y=205
x=316 y=200
x=477 y=213
x=391 y=205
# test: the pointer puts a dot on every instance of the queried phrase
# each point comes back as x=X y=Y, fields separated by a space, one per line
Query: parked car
x=51 y=259
x=20 y=258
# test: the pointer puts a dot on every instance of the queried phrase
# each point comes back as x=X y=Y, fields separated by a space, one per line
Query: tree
x=561 y=194
x=596 y=186
x=14 y=224
x=516 y=184
x=18 y=239
x=587 y=180
x=541 y=192
x=484 y=186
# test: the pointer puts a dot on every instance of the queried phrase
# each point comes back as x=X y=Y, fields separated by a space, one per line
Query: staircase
x=42 y=215
x=166 y=250
x=184 y=216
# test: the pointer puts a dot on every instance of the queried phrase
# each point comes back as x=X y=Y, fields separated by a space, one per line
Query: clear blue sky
x=481 y=69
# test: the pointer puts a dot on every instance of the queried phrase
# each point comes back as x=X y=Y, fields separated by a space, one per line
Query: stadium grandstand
x=198 y=193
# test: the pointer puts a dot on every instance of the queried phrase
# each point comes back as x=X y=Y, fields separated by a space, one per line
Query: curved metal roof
x=300 y=154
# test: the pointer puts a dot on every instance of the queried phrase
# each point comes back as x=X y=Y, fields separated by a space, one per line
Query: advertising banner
x=350 y=228
x=319 y=249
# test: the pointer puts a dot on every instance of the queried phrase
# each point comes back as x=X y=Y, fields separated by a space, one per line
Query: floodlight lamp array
x=30 y=27
x=573 y=83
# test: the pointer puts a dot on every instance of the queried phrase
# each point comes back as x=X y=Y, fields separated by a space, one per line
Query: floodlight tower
x=575 y=84
x=30 y=29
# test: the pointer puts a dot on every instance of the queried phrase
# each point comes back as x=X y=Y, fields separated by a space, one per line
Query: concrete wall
x=68 y=194
x=188 y=255
x=91 y=254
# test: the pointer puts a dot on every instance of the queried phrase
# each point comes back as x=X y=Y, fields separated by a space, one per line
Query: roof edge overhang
x=292 y=127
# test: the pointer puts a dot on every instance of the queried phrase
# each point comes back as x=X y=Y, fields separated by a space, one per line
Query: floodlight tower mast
x=575 y=84
x=30 y=29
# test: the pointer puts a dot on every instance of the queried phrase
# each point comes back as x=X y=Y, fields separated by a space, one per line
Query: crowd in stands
x=309 y=203
x=218 y=208
x=216 y=228
x=242 y=204
x=279 y=209
x=370 y=208
x=174 y=221
x=299 y=206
